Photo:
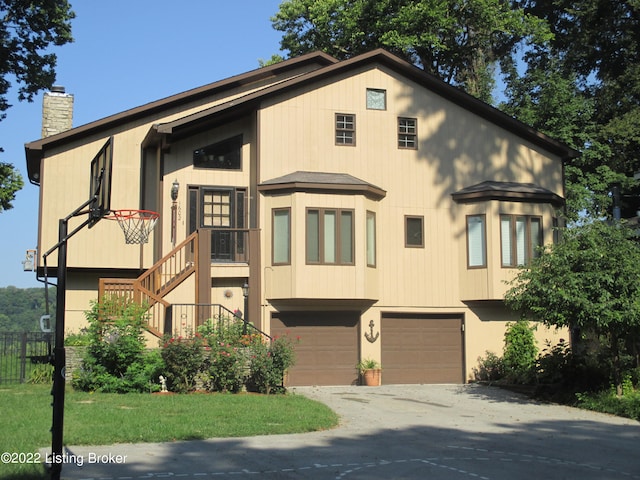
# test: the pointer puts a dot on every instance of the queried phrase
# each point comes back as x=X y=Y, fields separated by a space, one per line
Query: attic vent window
x=376 y=99
x=224 y=155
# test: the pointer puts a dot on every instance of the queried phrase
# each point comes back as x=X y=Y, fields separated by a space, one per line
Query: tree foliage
x=460 y=42
x=21 y=308
x=589 y=281
x=596 y=49
x=27 y=30
x=10 y=182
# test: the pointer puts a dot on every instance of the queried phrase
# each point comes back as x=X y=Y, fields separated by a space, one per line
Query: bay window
x=329 y=236
x=520 y=237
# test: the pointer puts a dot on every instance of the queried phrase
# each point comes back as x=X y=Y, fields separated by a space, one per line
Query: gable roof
x=326 y=67
x=208 y=117
x=35 y=150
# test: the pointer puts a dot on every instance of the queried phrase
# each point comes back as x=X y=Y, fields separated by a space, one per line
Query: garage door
x=419 y=349
x=328 y=348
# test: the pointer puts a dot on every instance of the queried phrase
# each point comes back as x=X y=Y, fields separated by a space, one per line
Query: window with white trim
x=407 y=133
x=345 y=129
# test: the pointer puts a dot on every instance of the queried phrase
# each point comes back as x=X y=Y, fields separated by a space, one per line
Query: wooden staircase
x=155 y=284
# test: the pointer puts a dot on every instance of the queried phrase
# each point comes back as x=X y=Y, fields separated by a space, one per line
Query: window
x=222 y=155
x=407 y=133
x=520 y=238
x=476 y=241
x=345 y=129
x=281 y=240
x=376 y=99
x=329 y=236
x=413 y=231
x=371 y=239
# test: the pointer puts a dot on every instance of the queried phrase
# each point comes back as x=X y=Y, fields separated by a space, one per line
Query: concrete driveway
x=398 y=432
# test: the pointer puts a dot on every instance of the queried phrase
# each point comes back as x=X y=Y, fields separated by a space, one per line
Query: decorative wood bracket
x=370 y=336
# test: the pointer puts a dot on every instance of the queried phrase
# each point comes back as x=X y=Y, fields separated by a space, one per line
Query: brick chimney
x=57 y=111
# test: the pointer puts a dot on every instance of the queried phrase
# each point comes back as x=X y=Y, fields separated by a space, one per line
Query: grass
x=97 y=419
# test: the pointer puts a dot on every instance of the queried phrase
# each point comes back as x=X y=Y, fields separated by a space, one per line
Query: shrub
x=184 y=362
x=520 y=352
x=490 y=368
x=227 y=368
x=269 y=361
x=608 y=401
x=115 y=359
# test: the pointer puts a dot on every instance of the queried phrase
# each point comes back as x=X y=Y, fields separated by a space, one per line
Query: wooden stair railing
x=152 y=286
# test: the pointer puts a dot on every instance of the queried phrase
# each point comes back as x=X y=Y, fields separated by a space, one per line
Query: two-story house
x=371 y=209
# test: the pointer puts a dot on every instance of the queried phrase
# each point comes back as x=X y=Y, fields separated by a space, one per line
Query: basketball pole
x=59 y=353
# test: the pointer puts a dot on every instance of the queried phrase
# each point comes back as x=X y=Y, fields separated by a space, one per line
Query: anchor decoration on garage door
x=370 y=336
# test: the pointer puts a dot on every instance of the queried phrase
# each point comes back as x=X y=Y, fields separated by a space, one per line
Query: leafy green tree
x=590 y=281
x=27 y=30
x=460 y=42
x=10 y=182
x=21 y=308
x=596 y=46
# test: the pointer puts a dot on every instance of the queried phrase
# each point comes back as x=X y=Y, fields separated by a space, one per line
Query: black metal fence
x=21 y=353
x=185 y=319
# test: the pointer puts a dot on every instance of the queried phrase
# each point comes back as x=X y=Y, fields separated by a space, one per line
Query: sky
x=126 y=54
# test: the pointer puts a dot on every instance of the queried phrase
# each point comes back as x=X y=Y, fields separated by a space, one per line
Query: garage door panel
x=328 y=348
x=422 y=350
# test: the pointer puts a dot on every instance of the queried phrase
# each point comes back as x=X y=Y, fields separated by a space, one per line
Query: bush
x=520 y=352
x=269 y=362
x=184 y=362
x=115 y=360
x=490 y=368
x=228 y=368
x=628 y=405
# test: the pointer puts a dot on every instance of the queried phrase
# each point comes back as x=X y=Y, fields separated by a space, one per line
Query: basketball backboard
x=100 y=191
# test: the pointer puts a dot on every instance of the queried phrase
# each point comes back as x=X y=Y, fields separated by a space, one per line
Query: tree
x=460 y=42
x=589 y=281
x=27 y=30
x=596 y=44
x=10 y=182
x=549 y=98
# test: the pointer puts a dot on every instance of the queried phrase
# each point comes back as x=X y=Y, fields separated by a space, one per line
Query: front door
x=222 y=212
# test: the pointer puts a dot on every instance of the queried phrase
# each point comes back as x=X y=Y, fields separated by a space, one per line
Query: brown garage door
x=328 y=348
x=419 y=349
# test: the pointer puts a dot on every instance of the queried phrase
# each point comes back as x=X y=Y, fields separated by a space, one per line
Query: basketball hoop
x=136 y=224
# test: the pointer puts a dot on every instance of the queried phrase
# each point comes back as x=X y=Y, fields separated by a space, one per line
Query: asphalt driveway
x=398 y=432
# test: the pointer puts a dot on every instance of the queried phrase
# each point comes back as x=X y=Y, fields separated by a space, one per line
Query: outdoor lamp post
x=245 y=294
x=175 y=188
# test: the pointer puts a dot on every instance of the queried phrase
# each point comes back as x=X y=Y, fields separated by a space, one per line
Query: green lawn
x=97 y=419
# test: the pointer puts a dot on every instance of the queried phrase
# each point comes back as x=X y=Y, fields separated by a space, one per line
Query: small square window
x=407 y=133
x=376 y=99
x=345 y=129
x=414 y=236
